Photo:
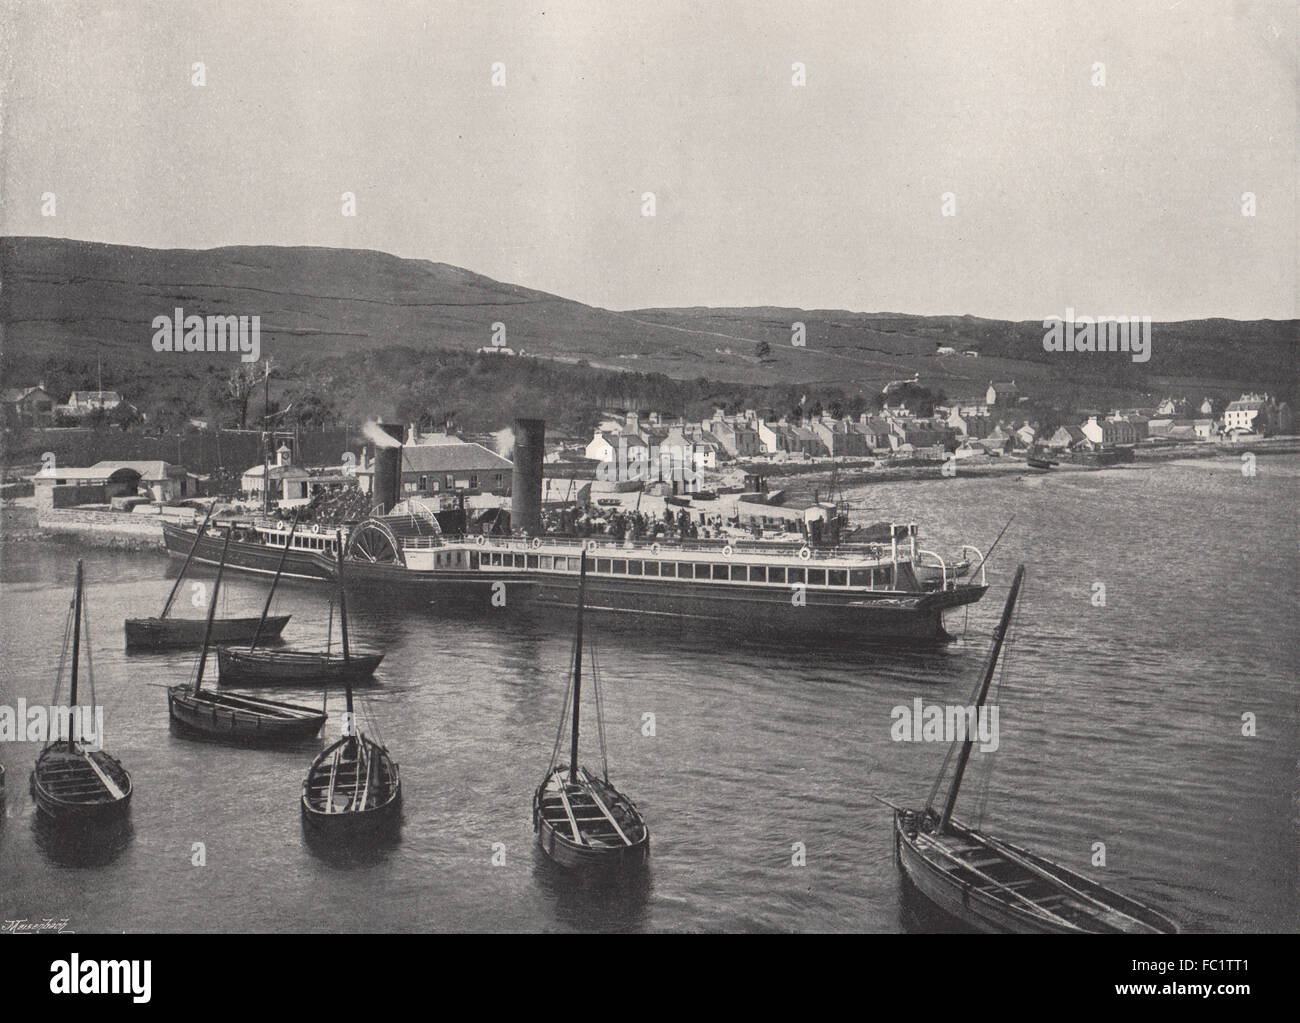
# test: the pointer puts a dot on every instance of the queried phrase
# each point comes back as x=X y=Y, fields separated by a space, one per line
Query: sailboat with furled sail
x=164 y=632
x=72 y=784
x=989 y=884
x=236 y=717
x=582 y=822
x=292 y=667
x=353 y=791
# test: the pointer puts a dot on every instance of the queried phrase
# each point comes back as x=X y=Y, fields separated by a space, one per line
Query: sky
x=1094 y=154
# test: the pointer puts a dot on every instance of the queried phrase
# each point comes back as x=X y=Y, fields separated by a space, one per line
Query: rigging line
x=564 y=709
x=600 y=710
x=63 y=655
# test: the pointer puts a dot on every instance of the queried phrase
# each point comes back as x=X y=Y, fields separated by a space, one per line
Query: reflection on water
x=1119 y=723
x=81 y=846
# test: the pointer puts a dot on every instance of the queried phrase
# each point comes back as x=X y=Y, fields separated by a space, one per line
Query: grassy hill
x=67 y=304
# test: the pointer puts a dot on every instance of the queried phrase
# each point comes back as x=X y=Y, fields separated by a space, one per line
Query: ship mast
x=981 y=695
x=577 y=671
x=212 y=613
x=76 y=641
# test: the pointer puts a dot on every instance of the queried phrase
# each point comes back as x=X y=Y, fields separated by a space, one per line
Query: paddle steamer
x=882 y=592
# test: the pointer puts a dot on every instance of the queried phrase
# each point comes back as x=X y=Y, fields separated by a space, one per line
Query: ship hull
x=880 y=616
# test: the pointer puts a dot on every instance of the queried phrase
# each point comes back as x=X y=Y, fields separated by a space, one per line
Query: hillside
x=65 y=299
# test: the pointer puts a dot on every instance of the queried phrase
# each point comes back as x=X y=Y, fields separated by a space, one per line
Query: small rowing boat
x=72 y=784
x=582 y=822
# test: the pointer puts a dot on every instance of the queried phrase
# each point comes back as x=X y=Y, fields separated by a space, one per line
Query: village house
x=1002 y=392
x=66 y=486
x=456 y=465
x=82 y=402
x=1204 y=428
x=1250 y=412
x=288 y=481
x=1108 y=433
x=28 y=406
x=1067 y=438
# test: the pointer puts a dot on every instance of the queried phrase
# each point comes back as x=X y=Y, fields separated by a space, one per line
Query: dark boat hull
x=60 y=809
x=292 y=667
x=167 y=633
x=960 y=894
x=241 y=720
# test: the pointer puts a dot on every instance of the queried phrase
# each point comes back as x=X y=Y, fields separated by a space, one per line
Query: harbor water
x=1158 y=624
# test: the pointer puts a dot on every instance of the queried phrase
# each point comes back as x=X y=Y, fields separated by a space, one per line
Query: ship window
x=602 y=564
x=882 y=576
x=620 y=566
x=532 y=561
x=548 y=562
x=836 y=576
x=816 y=577
x=668 y=568
x=794 y=575
x=757 y=574
x=652 y=568
x=738 y=573
x=519 y=560
x=494 y=558
x=473 y=559
x=776 y=575
x=634 y=568
x=720 y=571
x=860 y=577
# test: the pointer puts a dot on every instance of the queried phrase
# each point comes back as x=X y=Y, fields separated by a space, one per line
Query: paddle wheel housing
x=379 y=539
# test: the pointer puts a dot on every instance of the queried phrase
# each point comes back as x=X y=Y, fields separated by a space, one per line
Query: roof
x=13 y=394
x=1246 y=404
x=102 y=395
x=151 y=470
x=451 y=458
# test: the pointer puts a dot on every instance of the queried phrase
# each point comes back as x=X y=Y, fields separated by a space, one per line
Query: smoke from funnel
x=504 y=441
x=378 y=436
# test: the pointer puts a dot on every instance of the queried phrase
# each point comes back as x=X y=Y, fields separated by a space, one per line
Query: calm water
x=1119 y=724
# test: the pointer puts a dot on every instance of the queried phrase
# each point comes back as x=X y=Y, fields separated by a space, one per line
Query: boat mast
x=343 y=606
x=212 y=613
x=278 y=569
x=349 y=727
x=76 y=639
x=193 y=547
x=577 y=670
x=981 y=695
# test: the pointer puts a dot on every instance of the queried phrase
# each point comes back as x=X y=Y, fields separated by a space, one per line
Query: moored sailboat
x=992 y=885
x=72 y=784
x=292 y=667
x=353 y=790
x=163 y=632
x=582 y=822
x=236 y=717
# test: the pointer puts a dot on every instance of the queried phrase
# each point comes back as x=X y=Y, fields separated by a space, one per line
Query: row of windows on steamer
x=779 y=575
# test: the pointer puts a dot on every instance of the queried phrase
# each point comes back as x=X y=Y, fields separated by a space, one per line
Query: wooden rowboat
x=353 y=791
x=582 y=822
x=236 y=717
x=163 y=633
x=72 y=785
x=992 y=885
